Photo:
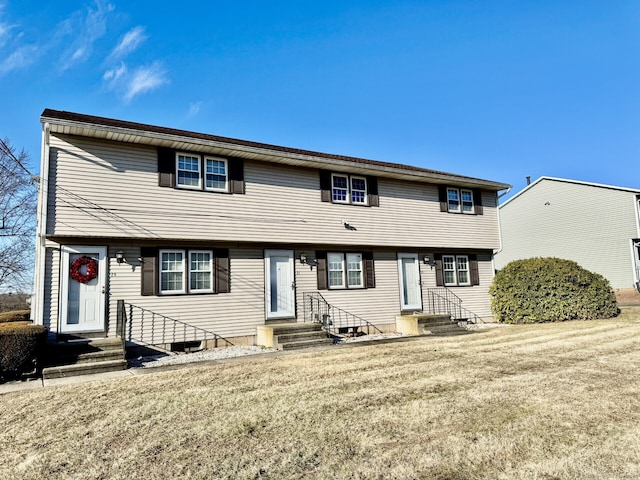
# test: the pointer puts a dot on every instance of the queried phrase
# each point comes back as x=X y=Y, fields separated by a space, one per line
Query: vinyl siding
x=584 y=223
x=107 y=189
x=51 y=289
x=232 y=314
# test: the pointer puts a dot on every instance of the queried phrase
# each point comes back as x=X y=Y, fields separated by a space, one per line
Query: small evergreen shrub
x=20 y=344
x=550 y=289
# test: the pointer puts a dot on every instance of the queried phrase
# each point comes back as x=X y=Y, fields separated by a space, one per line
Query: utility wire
x=7 y=151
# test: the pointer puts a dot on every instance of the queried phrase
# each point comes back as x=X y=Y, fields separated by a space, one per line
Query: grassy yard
x=555 y=401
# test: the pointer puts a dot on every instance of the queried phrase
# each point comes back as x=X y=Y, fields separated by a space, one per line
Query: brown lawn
x=554 y=401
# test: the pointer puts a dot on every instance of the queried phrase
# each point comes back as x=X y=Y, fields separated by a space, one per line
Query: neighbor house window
x=177 y=275
x=348 y=189
x=345 y=270
x=215 y=174
x=188 y=171
x=455 y=270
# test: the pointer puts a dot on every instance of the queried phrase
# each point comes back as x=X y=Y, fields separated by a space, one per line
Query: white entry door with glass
x=280 y=291
x=410 y=288
x=82 y=289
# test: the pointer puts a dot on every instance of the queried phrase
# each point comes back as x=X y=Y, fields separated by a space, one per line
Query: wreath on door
x=90 y=273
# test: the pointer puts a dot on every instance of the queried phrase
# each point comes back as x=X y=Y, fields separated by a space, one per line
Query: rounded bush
x=548 y=290
x=20 y=344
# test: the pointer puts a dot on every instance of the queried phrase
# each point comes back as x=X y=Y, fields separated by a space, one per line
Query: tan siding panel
x=282 y=204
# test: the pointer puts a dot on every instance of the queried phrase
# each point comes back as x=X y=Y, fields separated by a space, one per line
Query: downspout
x=493 y=264
x=37 y=306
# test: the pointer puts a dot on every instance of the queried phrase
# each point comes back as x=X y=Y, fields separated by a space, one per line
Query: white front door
x=82 y=298
x=280 y=287
x=409 y=273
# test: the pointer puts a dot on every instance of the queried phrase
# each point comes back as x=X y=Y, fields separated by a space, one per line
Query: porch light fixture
x=426 y=260
x=120 y=256
x=305 y=260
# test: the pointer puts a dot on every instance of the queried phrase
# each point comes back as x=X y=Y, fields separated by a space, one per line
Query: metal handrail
x=334 y=320
x=441 y=300
x=156 y=329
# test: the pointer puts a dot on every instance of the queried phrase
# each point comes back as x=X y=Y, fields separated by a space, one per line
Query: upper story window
x=460 y=200
x=188 y=171
x=348 y=189
x=200 y=172
x=215 y=174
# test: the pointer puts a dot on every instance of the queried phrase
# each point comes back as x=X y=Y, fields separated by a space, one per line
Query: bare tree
x=18 y=198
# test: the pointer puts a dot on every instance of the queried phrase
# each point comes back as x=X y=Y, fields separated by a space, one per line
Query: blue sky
x=496 y=90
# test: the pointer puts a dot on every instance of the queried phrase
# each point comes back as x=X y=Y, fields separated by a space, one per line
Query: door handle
x=293 y=285
x=103 y=289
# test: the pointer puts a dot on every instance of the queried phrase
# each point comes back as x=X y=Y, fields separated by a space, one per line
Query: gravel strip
x=213 y=354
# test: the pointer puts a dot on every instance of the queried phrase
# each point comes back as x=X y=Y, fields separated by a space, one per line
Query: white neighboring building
x=595 y=225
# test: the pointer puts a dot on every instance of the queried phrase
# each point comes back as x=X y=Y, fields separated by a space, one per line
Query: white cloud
x=145 y=79
x=114 y=74
x=129 y=42
x=194 y=109
x=20 y=58
x=85 y=28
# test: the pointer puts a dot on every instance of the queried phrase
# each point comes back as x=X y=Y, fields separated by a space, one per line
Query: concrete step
x=296 y=337
x=63 y=371
x=306 y=344
x=288 y=328
x=85 y=346
x=89 y=357
x=445 y=330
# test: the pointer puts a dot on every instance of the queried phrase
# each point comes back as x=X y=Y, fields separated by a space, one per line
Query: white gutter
x=37 y=306
x=493 y=257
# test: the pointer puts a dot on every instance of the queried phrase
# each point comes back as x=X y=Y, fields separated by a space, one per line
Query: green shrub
x=15 y=316
x=20 y=344
x=550 y=289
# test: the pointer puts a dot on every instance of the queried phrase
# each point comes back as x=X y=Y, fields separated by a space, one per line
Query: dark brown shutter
x=477 y=201
x=473 y=270
x=442 y=197
x=148 y=269
x=439 y=271
x=236 y=175
x=325 y=185
x=166 y=167
x=372 y=188
x=222 y=277
x=369 y=271
x=321 y=270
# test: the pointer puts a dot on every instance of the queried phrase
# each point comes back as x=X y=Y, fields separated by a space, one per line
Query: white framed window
x=335 y=270
x=188 y=171
x=172 y=275
x=455 y=269
x=345 y=270
x=359 y=190
x=453 y=200
x=467 y=201
x=200 y=271
x=216 y=174
x=183 y=271
x=460 y=201
x=348 y=189
x=354 y=270
x=340 y=188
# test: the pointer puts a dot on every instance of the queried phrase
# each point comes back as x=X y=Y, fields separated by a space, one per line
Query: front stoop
x=428 y=324
x=83 y=357
x=292 y=336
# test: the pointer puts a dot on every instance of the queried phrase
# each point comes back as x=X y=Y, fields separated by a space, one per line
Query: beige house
x=592 y=224
x=162 y=236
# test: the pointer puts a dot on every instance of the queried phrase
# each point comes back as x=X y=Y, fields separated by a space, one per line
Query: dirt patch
x=627 y=296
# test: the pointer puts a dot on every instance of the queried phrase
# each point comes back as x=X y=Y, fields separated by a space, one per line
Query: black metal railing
x=334 y=320
x=143 y=326
x=443 y=301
